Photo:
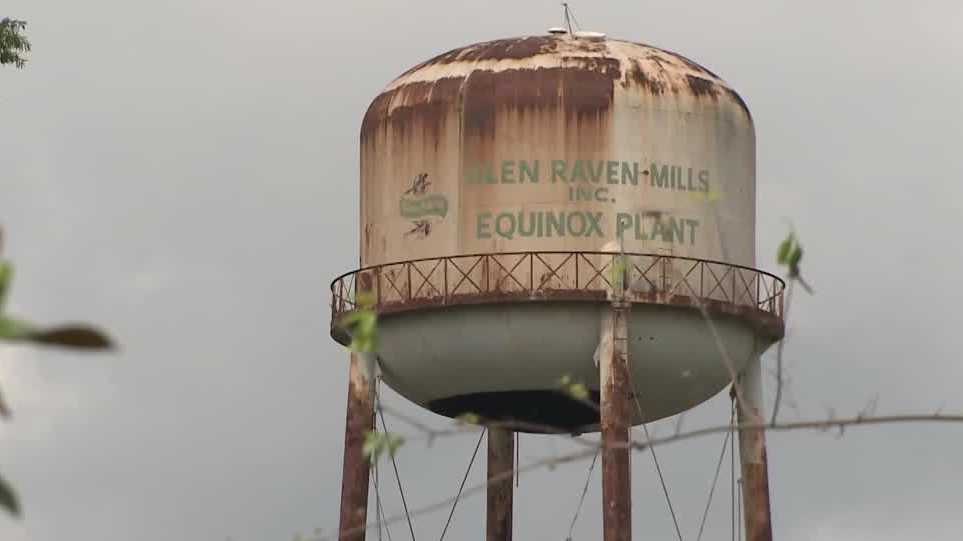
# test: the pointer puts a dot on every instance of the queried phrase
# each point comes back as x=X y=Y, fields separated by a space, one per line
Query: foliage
x=573 y=389
x=8 y=498
x=362 y=324
x=13 y=44
x=789 y=255
x=468 y=419
x=76 y=336
x=617 y=272
x=377 y=443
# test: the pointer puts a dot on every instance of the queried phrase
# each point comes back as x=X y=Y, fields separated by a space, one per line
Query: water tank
x=508 y=188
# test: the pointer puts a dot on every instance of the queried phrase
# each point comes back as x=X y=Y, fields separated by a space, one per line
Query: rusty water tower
x=564 y=204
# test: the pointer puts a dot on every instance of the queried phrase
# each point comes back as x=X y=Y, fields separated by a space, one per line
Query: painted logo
x=421 y=207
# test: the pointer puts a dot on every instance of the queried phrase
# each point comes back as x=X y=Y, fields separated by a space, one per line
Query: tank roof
x=656 y=69
x=586 y=69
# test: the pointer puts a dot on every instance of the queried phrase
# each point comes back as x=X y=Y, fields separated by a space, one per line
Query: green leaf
x=377 y=443
x=372 y=446
x=785 y=247
x=790 y=254
x=73 y=336
x=578 y=391
x=8 y=498
x=4 y=409
x=617 y=271
x=362 y=326
x=794 y=258
x=78 y=336
x=393 y=442
x=573 y=389
x=468 y=418
x=15 y=330
x=6 y=278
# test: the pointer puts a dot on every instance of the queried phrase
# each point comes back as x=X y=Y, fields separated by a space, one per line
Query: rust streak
x=701 y=87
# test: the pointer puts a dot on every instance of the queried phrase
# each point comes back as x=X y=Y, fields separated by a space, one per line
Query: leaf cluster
x=13 y=44
x=573 y=389
x=76 y=336
x=789 y=255
x=378 y=443
x=362 y=324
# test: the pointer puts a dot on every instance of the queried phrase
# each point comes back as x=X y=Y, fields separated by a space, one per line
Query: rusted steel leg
x=501 y=461
x=616 y=418
x=752 y=452
x=354 y=478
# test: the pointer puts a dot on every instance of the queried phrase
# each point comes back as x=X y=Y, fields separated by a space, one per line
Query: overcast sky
x=185 y=173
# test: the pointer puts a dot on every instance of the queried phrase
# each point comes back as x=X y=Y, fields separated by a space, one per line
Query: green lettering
x=592 y=219
x=660 y=178
x=677 y=230
x=631 y=174
x=657 y=229
x=531 y=223
x=482 y=226
x=612 y=172
x=581 y=224
x=578 y=171
x=555 y=221
x=505 y=225
x=508 y=171
x=558 y=170
x=623 y=222
x=692 y=226
x=597 y=171
x=528 y=171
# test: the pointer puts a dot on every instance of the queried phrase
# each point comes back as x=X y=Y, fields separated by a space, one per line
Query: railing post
x=409 y=279
x=378 y=286
x=444 y=295
x=531 y=273
x=782 y=297
x=664 y=277
x=488 y=274
x=702 y=276
x=758 y=293
x=733 y=269
x=577 y=257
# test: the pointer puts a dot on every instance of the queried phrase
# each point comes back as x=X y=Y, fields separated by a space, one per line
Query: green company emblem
x=421 y=207
x=429 y=205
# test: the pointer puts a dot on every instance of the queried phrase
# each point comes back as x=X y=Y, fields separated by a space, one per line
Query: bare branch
x=636 y=445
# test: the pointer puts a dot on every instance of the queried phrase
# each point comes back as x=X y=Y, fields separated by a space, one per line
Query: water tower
x=564 y=204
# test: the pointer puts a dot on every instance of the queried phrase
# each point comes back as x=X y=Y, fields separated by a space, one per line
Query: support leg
x=616 y=419
x=752 y=452
x=354 y=478
x=501 y=460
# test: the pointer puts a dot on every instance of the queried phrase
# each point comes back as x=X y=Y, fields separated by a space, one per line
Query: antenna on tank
x=569 y=17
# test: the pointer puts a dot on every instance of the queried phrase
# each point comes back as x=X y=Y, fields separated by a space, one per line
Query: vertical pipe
x=752 y=453
x=501 y=459
x=354 y=477
x=615 y=420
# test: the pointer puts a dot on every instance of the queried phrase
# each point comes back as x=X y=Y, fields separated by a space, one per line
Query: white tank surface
x=499 y=184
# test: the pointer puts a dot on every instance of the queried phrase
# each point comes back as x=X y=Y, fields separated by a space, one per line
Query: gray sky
x=185 y=173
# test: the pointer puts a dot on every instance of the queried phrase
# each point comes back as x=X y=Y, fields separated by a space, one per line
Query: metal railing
x=576 y=276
